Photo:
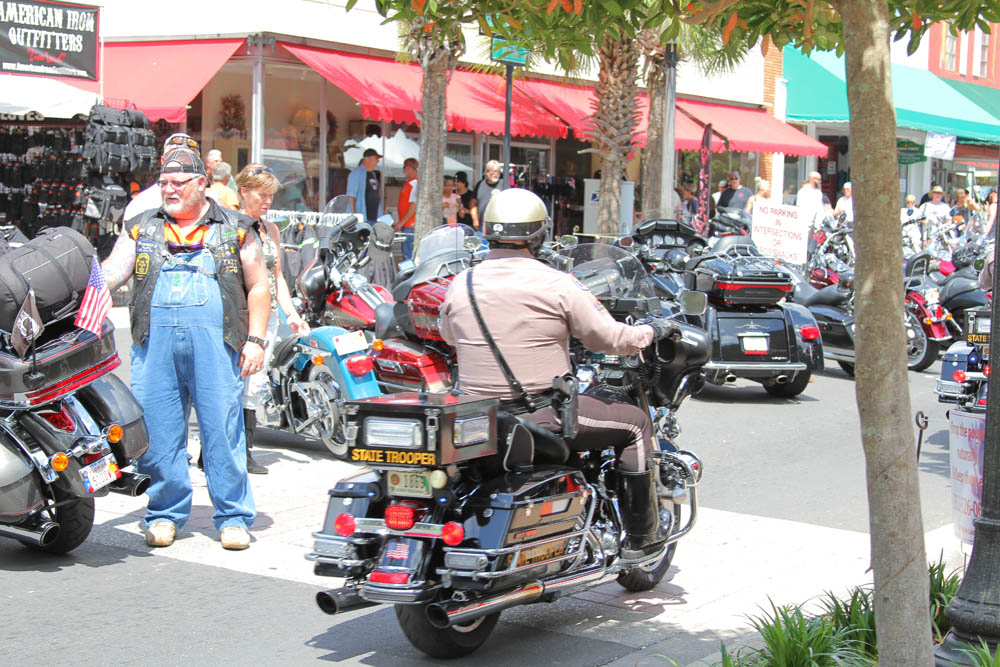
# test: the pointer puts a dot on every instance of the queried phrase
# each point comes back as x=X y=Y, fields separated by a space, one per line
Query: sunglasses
x=182 y=141
x=176 y=185
x=261 y=170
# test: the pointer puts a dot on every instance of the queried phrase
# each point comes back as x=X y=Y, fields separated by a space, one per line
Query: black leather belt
x=517 y=406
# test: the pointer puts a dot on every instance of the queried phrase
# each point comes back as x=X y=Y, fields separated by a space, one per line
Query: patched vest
x=222 y=241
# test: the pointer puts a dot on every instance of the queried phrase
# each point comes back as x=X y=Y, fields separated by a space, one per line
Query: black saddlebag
x=742 y=280
x=56 y=264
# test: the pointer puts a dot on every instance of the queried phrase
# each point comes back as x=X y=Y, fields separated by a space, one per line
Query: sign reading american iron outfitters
x=45 y=38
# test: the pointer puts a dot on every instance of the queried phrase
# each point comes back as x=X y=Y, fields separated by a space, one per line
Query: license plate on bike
x=410 y=484
x=98 y=474
x=349 y=343
x=754 y=344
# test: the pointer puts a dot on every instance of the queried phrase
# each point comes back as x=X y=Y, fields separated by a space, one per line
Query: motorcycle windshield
x=446 y=239
x=607 y=271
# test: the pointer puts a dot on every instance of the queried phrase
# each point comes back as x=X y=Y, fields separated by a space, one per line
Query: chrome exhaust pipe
x=730 y=378
x=445 y=614
x=338 y=600
x=781 y=379
x=130 y=484
x=42 y=536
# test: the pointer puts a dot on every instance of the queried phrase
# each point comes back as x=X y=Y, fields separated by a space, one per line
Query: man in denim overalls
x=199 y=313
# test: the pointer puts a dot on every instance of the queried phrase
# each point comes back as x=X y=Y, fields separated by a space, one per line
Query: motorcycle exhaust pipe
x=781 y=379
x=338 y=600
x=446 y=614
x=730 y=378
x=130 y=484
x=43 y=536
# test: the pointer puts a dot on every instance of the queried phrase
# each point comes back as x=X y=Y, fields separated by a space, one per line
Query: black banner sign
x=704 y=181
x=45 y=38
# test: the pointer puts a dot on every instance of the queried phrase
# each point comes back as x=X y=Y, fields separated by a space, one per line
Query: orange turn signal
x=377 y=345
x=115 y=433
x=318 y=360
x=59 y=462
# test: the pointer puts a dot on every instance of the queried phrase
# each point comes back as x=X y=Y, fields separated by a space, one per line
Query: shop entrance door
x=531 y=164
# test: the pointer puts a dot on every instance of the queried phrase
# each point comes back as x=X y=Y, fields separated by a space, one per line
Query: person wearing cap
x=199 y=310
x=363 y=187
x=936 y=209
x=735 y=195
x=845 y=204
x=150 y=197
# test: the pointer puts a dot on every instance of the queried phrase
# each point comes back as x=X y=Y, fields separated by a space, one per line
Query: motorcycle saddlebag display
x=56 y=264
x=742 y=280
x=424 y=304
x=408 y=366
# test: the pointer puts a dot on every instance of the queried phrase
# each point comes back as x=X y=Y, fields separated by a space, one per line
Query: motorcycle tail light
x=402 y=516
x=809 y=332
x=958 y=376
x=317 y=360
x=59 y=418
x=344 y=525
x=938 y=312
x=381 y=577
x=986 y=370
x=359 y=365
x=91 y=458
x=452 y=533
x=115 y=433
x=928 y=321
x=378 y=345
x=59 y=462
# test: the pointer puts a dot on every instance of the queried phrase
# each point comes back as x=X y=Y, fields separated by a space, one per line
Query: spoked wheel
x=75 y=517
x=921 y=351
x=646 y=576
x=453 y=642
x=327 y=426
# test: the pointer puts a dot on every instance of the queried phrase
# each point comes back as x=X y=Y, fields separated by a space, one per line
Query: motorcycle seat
x=744 y=245
x=546 y=447
x=284 y=350
x=428 y=271
x=957 y=286
x=831 y=295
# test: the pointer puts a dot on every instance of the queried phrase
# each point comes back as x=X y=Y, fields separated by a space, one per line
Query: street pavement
x=783 y=520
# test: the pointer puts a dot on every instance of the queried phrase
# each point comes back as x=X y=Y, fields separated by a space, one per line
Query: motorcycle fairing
x=354 y=386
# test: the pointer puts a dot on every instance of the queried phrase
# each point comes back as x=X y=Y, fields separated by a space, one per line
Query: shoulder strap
x=515 y=386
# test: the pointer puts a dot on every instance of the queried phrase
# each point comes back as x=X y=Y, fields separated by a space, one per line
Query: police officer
x=531 y=310
x=199 y=313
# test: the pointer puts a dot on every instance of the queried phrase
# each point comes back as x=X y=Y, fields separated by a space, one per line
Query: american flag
x=399 y=551
x=96 y=301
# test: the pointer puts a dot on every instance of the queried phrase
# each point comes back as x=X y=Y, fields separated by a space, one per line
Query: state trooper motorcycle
x=463 y=510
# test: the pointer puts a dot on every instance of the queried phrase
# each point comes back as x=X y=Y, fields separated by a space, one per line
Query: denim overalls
x=185 y=360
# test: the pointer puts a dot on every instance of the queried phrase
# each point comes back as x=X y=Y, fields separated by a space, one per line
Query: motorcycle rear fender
x=53 y=440
x=810 y=351
x=20 y=488
x=109 y=401
x=354 y=386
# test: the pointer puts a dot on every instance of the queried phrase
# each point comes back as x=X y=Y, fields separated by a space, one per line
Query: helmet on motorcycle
x=515 y=215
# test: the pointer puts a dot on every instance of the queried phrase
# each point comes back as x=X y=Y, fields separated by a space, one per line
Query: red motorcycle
x=409 y=351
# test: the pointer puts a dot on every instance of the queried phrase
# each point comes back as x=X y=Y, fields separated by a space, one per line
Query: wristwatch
x=260 y=341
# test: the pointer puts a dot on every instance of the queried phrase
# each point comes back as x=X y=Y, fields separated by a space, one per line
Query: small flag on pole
x=27 y=325
x=96 y=301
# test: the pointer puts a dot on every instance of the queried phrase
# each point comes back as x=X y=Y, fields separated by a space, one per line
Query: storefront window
x=529 y=163
x=291 y=135
x=950 y=49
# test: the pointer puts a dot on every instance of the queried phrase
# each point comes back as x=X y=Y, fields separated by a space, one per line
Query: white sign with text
x=967 y=435
x=781 y=231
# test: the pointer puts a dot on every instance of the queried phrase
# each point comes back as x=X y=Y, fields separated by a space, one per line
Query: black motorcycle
x=464 y=510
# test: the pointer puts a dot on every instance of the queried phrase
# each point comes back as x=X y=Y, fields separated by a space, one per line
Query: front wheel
x=921 y=351
x=453 y=642
x=75 y=517
x=646 y=576
x=788 y=389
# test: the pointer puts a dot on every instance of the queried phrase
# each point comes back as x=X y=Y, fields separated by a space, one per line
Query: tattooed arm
x=258 y=303
x=120 y=263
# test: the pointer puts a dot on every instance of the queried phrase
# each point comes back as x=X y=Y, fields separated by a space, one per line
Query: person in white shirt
x=810 y=198
x=936 y=209
x=845 y=204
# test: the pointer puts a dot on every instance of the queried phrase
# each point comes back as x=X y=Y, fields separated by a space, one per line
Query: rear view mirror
x=386 y=219
x=471 y=243
x=568 y=241
x=693 y=303
x=980 y=263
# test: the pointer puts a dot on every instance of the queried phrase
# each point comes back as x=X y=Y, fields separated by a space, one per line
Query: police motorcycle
x=965 y=366
x=310 y=377
x=462 y=510
x=69 y=429
x=755 y=332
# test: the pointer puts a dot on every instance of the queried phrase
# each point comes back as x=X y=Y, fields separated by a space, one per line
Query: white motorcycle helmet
x=515 y=215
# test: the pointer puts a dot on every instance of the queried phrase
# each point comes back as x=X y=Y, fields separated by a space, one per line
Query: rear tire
x=328 y=428
x=75 y=519
x=453 y=642
x=645 y=577
x=789 y=389
x=847 y=367
x=921 y=351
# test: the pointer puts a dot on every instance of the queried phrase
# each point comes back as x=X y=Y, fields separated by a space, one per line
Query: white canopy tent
x=51 y=98
x=394 y=150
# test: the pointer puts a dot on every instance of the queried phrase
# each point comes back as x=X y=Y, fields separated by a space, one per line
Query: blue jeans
x=407 y=233
x=185 y=362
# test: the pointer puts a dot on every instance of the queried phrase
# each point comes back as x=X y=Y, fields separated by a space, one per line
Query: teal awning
x=817 y=93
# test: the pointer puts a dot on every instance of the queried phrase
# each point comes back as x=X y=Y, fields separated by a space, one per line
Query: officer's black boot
x=640 y=512
x=250 y=425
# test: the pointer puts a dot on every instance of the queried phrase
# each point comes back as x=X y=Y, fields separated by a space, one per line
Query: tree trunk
x=897 y=533
x=437 y=63
x=652 y=154
x=614 y=120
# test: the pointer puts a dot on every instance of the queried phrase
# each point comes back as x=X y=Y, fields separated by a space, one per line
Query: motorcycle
x=753 y=335
x=68 y=431
x=965 y=366
x=463 y=510
x=410 y=354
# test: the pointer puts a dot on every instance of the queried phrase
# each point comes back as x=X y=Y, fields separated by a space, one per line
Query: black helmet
x=515 y=215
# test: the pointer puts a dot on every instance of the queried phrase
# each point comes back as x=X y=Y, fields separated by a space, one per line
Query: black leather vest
x=151 y=250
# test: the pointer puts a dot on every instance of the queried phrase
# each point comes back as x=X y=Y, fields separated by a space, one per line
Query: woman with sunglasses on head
x=257 y=185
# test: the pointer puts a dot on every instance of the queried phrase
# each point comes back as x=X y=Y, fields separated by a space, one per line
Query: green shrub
x=792 y=639
x=980 y=654
x=942 y=589
x=856 y=616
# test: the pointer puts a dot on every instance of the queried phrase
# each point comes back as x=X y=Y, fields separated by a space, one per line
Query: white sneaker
x=160 y=534
x=235 y=538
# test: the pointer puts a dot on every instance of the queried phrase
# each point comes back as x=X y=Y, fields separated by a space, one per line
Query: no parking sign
x=781 y=231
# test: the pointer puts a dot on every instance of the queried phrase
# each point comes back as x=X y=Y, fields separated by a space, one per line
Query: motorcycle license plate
x=349 y=343
x=754 y=344
x=932 y=296
x=98 y=474
x=410 y=484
